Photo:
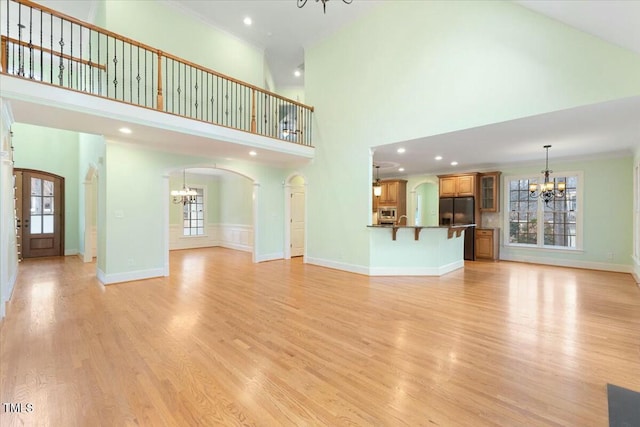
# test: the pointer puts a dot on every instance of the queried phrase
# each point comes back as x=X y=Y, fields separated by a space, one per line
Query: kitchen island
x=401 y=250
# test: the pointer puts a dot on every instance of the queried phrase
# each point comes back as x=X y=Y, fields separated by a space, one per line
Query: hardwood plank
x=227 y=342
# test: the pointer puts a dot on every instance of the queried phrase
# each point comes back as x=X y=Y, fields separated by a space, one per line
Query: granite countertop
x=420 y=226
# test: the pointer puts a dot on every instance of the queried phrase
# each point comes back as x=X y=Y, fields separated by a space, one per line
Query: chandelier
x=546 y=191
x=301 y=3
x=184 y=195
x=377 y=187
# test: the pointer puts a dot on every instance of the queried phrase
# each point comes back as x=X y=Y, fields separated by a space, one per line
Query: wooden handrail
x=34 y=5
x=231 y=79
x=6 y=39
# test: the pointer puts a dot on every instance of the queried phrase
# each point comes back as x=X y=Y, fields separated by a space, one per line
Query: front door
x=42 y=216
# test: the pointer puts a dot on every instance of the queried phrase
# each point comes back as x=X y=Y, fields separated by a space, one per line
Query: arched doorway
x=221 y=214
x=424 y=203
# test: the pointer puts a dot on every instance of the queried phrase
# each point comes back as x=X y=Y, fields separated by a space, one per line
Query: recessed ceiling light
x=253 y=153
x=438 y=157
x=401 y=170
x=454 y=163
x=401 y=150
x=297 y=73
x=125 y=130
x=247 y=21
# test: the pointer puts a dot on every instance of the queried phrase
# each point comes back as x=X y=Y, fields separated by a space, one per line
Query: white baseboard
x=351 y=268
x=236 y=246
x=68 y=252
x=269 y=257
x=589 y=265
x=110 y=279
x=416 y=271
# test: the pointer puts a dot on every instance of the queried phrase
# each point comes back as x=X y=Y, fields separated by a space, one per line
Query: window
x=193 y=215
x=532 y=222
x=42 y=203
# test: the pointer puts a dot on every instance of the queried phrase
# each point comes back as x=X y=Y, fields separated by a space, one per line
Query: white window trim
x=204 y=217
x=541 y=246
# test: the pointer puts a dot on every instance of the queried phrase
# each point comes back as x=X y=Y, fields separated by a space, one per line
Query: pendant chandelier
x=377 y=187
x=185 y=195
x=546 y=190
x=301 y=3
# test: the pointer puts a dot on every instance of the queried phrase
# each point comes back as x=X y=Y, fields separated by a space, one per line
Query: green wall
x=189 y=38
x=8 y=242
x=90 y=151
x=607 y=213
x=54 y=151
x=136 y=203
x=415 y=69
x=235 y=202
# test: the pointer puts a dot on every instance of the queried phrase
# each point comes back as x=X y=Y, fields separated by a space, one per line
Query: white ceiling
x=593 y=131
x=279 y=27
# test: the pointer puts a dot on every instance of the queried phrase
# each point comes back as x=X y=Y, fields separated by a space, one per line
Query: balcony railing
x=43 y=45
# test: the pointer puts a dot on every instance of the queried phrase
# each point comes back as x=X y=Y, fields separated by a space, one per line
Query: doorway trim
x=90 y=211
x=287 y=213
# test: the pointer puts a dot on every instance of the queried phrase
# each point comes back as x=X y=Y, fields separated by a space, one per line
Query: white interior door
x=297 y=222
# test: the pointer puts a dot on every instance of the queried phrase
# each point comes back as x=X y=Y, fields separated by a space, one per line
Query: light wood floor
x=226 y=342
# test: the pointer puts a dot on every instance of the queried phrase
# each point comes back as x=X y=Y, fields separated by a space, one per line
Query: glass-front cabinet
x=489 y=192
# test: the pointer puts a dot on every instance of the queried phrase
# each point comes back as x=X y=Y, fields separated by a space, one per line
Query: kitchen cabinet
x=458 y=185
x=488 y=243
x=391 y=192
x=394 y=195
x=489 y=192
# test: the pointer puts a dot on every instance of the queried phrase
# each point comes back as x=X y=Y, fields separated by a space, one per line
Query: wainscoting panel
x=232 y=236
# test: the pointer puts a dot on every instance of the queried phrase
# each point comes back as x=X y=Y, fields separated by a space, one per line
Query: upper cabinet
x=391 y=192
x=394 y=194
x=490 y=192
x=458 y=185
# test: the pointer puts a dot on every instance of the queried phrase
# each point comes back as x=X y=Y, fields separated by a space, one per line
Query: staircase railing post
x=160 y=100
x=4 y=61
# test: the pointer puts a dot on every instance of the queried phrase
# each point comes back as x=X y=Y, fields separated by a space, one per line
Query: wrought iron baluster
x=20 y=47
x=61 y=43
x=145 y=77
x=31 y=43
x=51 y=49
x=70 y=74
x=218 y=100
x=124 y=78
x=106 y=68
x=115 y=68
x=41 y=49
x=130 y=72
x=138 y=78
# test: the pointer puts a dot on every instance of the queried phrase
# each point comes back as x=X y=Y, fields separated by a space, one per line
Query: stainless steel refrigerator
x=459 y=211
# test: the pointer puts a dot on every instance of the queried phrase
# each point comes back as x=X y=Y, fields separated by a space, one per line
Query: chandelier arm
x=301 y=3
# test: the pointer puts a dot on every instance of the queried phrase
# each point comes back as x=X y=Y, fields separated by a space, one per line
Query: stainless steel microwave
x=387 y=213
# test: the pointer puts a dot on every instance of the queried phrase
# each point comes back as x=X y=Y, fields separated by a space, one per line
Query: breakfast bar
x=397 y=250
